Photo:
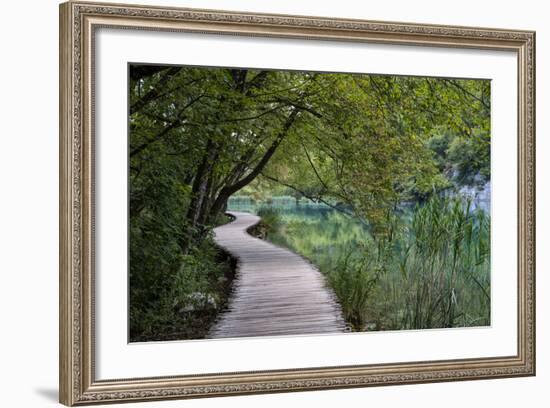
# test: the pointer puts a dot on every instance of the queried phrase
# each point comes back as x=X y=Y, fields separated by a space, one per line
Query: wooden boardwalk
x=275 y=292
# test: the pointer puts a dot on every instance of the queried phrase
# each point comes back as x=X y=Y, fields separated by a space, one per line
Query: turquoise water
x=314 y=230
x=283 y=204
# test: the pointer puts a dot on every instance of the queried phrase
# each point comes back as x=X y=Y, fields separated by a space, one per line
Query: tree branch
x=177 y=122
x=259 y=115
x=154 y=92
x=226 y=192
x=313 y=167
x=267 y=155
x=256 y=82
x=465 y=91
x=316 y=199
x=299 y=106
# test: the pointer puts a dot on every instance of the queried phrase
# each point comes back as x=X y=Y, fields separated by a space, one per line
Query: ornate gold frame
x=78 y=20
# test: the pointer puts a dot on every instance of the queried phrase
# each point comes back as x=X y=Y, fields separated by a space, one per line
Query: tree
x=358 y=142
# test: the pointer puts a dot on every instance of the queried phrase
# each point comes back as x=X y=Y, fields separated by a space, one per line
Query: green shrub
x=270 y=222
x=175 y=296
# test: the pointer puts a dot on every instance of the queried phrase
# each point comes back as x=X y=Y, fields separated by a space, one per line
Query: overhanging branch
x=314 y=198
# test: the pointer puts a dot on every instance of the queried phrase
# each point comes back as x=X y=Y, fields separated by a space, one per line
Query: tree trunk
x=204 y=212
x=199 y=189
x=226 y=192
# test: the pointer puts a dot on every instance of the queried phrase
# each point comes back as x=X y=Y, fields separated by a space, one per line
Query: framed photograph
x=262 y=203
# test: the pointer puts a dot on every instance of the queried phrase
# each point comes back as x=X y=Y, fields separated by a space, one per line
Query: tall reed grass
x=426 y=268
x=444 y=263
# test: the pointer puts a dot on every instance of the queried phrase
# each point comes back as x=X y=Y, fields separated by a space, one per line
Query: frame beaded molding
x=77 y=22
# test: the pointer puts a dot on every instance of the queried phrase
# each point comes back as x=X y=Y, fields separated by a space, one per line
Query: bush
x=270 y=222
x=172 y=295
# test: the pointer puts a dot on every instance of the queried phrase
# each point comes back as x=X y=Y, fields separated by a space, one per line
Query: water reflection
x=315 y=230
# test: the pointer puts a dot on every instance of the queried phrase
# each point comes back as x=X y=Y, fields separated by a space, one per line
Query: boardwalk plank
x=276 y=292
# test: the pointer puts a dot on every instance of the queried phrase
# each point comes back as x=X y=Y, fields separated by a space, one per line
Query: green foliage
x=471 y=157
x=357 y=140
x=175 y=296
x=467 y=157
x=371 y=149
x=270 y=217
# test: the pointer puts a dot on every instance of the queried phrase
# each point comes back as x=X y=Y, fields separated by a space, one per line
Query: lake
x=314 y=230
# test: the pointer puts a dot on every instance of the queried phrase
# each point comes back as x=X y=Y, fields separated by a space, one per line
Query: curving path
x=275 y=292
